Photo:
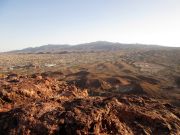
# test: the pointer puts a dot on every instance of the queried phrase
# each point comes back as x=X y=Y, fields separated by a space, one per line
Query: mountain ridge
x=87 y=47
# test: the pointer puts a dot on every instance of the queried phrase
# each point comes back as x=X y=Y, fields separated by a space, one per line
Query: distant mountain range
x=86 y=47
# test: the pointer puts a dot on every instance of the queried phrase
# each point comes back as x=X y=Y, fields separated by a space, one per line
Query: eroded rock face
x=43 y=105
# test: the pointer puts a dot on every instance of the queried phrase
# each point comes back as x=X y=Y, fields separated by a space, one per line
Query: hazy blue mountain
x=93 y=46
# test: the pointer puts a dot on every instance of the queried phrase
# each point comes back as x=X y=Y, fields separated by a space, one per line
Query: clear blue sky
x=25 y=23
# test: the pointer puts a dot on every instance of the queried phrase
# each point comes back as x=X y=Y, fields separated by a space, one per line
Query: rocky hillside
x=38 y=104
x=86 y=47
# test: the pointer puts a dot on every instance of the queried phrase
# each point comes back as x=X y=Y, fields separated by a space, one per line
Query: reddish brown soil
x=42 y=105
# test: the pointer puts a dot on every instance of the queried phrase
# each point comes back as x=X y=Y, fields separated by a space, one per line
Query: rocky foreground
x=41 y=105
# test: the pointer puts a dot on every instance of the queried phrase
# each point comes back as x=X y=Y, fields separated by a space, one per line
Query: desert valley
x=93 y=88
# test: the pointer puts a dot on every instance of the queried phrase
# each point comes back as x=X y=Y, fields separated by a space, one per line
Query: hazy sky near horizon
x=30 y=23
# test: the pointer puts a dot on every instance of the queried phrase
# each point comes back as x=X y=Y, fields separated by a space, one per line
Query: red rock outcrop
x=43 y=105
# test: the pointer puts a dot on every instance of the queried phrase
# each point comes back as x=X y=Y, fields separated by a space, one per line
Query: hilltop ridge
x=86 y=47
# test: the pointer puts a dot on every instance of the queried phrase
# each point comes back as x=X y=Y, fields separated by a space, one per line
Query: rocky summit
x=36 y=104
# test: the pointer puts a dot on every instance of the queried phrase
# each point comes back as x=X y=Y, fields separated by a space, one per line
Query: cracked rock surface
x=31 y=105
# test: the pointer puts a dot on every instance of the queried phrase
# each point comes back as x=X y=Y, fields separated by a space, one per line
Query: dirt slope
x=43 y=105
